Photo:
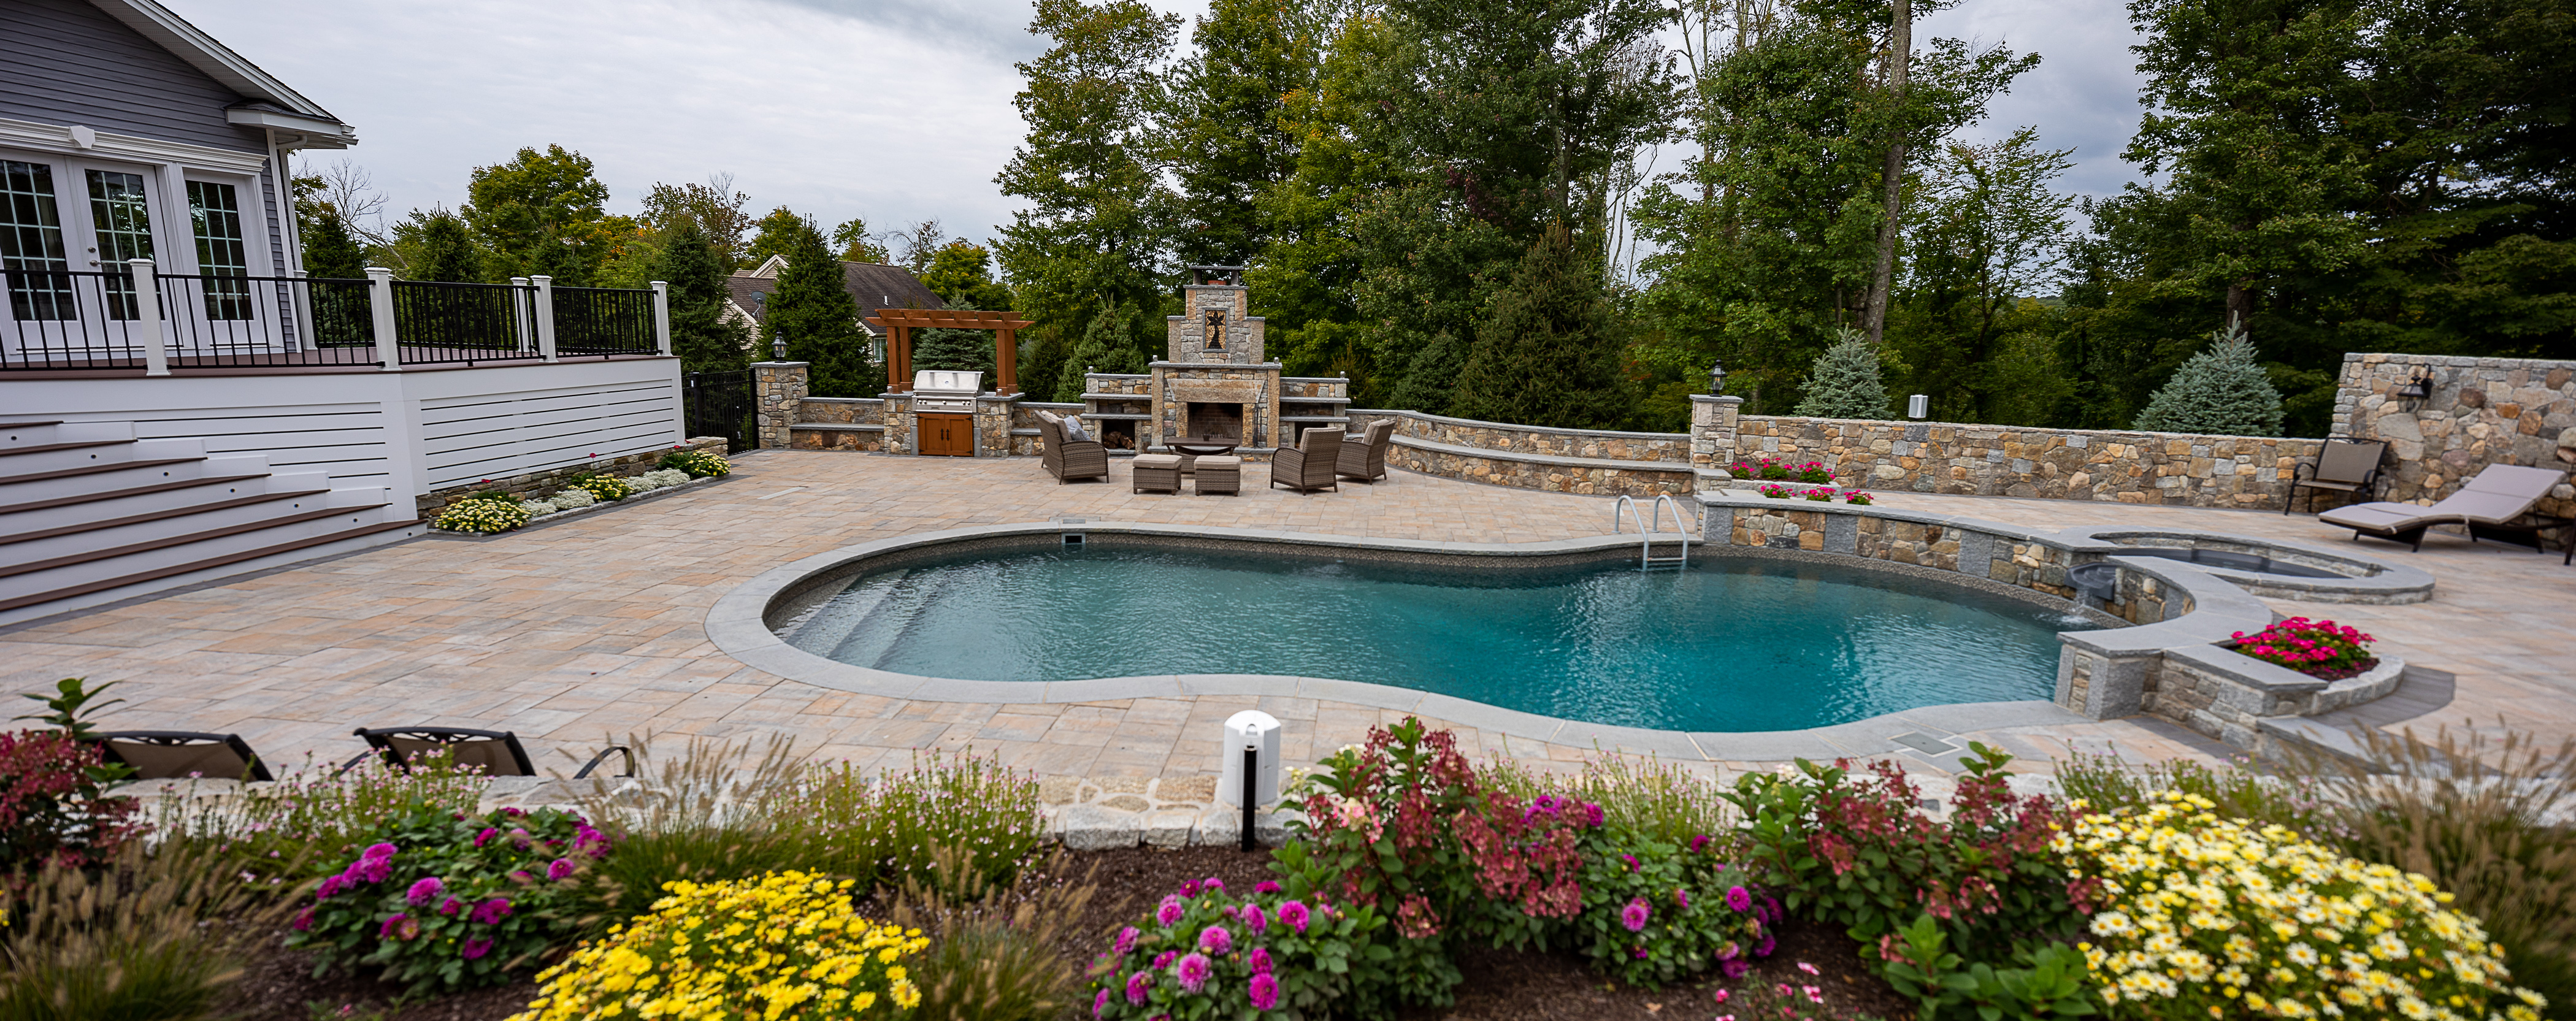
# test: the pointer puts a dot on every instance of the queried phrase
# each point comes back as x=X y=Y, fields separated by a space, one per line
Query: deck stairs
x=1648 y=538
x=89 y=514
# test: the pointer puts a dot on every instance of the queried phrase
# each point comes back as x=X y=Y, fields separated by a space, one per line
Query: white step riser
x=328 y=549
x=103 y=482
x=66 y=432
x=361 y=496
x=24 y=522
x=99 y=570
x=58 y=460
x=147 y=531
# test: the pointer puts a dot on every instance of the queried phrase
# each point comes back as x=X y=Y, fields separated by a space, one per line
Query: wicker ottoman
x=1218 y=475
x=1156 y=471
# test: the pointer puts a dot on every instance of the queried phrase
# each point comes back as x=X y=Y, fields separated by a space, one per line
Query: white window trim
x=254 y=214
x=61 y=139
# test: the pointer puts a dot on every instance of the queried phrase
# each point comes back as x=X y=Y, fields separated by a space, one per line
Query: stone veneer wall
x=1584 y=461
x=430 y=503
x=2483 y=411
x=778 y=394
x=846 y=423
x=2061 y=464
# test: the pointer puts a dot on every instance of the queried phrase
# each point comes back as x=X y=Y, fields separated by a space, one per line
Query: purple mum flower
x=1699 y=843
x=422 y=891
x=1169 y=914
x=1772 y=911
x=1126 y=940
x=1592 y=815
x=1733 y=968
x=1253 y=919
x=1213 y=885
x=1193 y=972
x=1164 y=960
x=399 y=927
x=492 y=911
x=1634 y=916
x=1631 y=860
x=1739 y=898
x=1265 y=886
x=1136 y=985
x=1190 y=888
x=331 y=886
x=1681 y=897
x=486 y=836
x=1215 y=940
x=1763 y=949
x=1264 y=991
x=1637 y=952
x=477 y=947
x=1261 y=960
x=560 y=869
x=1293 y=913
x=1100 y=1003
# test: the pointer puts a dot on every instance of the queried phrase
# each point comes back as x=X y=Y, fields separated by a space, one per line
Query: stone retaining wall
x=2059 y=464
x=430 y=503
x=1582 y=461
x=2482 y=411
x=1525 y=439
x=838 y=411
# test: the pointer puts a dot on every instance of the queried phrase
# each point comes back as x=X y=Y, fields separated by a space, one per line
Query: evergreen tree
x=329 y=251
x=1845 y=382
x=447 y=249
x=959 y=350
x=1429 y=383
x=813 y=312
x=1547 y=352
x=700 y=335
x=1227 y=140
x=2220 y=392
x=1093 y=352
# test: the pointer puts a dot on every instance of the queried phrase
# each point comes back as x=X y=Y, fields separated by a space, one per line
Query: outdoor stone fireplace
x=1204 y=421
x=1215 y=384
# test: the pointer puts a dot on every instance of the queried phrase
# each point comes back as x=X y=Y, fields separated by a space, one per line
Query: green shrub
x=484 y=516
x=2221 y=391
x=1657 y=912
x=1859 y=852
x=1209 y=952
x=699 y=464
x=445 y=900
x=53 y=805
x=307 y=813
x=142 y=936
x=2051 y=983
x=2485 y=818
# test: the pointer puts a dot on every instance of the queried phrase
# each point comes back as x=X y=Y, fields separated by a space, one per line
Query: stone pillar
x=899 y=424
x=778 y=391
x=993 y=414
x=1712 y=437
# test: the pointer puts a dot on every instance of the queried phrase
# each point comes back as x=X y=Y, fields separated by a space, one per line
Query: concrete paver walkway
x=594 y=627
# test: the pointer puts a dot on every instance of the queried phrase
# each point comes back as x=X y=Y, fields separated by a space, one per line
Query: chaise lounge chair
x=2495 y=497
x=182 y=754
x=1309 y=465
x=497 y=751
x=1068 y=460
x=2343 y=465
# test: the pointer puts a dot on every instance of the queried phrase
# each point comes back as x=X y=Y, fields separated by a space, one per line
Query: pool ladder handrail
x=1646 y=558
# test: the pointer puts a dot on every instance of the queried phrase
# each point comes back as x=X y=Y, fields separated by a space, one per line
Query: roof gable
x=230 y=69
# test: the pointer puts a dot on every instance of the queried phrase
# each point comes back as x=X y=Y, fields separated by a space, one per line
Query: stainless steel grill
x=944 y=390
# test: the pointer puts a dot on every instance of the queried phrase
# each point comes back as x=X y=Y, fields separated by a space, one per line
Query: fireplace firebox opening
x=1212 y=423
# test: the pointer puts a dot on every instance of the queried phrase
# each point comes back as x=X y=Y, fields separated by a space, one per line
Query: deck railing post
x=519 y=322
x=380 y=304
x=301 y=334
x=662 y=315
x=545 y=316
x=147 y=317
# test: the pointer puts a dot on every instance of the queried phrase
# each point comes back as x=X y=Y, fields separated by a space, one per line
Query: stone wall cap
x=1716 y=399
x=1476 y=424
x=842 y=400
x=780 y=365
x=1602 y=463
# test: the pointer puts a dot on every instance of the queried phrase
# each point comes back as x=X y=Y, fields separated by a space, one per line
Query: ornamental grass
x=783 y=945
x=996 y=949
x=157 y=934
x=2195 y=914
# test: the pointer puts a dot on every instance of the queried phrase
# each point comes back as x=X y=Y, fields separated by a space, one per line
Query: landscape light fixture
x=2418 y=388
x=1717 y=379
x=1249 y=770
x=1918 y=406
x=778 y=348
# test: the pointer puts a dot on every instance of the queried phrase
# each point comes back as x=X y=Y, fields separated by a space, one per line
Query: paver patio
x=594 y=627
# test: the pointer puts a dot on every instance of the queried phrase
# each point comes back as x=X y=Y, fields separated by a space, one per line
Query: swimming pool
x=1726 y=646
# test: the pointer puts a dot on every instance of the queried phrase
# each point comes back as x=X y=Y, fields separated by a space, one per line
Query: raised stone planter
x=543 y=520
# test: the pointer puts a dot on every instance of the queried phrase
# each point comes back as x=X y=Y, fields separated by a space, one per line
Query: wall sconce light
x=1918 y=406
x=2418 y=388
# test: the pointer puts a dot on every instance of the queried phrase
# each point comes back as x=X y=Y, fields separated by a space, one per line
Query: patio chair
x=2344 y=465
x=182 y=754
x=1364 y=457
x=1309 y=465
x=497 y=751
x=1067 y=459
x=2495 y=497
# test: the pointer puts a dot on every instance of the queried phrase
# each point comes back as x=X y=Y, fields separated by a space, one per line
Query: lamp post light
x=1717 y=379
x=778 y=348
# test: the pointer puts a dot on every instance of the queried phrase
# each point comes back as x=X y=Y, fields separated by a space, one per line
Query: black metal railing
x=720 y=404
x=604 y=321
x=95 y=319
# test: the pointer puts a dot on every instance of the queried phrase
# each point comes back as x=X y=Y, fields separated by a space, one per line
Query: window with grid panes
x=31 y=243
x=214 y=209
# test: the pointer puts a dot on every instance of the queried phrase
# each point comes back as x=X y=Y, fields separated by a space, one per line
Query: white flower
x=539 y=507
x=571 y=498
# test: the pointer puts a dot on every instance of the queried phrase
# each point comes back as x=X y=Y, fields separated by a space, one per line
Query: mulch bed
x=1500 y=984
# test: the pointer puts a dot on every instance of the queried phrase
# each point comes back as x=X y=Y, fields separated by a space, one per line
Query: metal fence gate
x=721 y=404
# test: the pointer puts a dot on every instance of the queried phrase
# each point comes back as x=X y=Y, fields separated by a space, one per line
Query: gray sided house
x=127 y=133
x=873 y=287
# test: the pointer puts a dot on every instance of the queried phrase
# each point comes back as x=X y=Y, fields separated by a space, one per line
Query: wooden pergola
x=900 y=322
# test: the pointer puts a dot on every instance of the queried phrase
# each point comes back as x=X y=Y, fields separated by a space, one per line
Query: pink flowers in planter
x=2318 y=648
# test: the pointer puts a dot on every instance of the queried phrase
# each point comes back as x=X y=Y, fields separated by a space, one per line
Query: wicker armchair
x=1068 y=461
x=1364 y=457
x=1309 y=466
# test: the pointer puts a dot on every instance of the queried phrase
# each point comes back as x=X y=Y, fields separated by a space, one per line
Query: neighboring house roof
x=269 y=103
x=872 y=286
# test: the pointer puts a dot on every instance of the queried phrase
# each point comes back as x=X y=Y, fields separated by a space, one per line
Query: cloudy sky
x=896 y=110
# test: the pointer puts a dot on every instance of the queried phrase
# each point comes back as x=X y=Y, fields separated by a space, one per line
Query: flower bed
x=1774 y=469
x=491 y=513
x=2322 y=649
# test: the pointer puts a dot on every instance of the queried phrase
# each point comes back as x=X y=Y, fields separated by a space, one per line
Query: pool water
x=1723 y=646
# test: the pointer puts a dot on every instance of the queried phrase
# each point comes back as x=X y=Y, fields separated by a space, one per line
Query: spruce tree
x=1106 y=346
x=1845 y=382
x=813 y=312
x=1430 y=381
x=2222 y=391
x=448 y=251
x=700 y=334
x=960 y=350
x=329 y=251
x=1546 y=352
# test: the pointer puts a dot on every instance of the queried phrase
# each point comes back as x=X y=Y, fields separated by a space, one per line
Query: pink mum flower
x=1193 y=972
x=399 y=927
x=1739 y=898
x=1264 y=992
x=1681 y=898
x=486 y=836
x=1100 y=1003
x=477 y=947
x=1253 y=919
x=1215 y=940
x=422 y=891
x=1136 y=986
x=492 y=911
x=1261 y=960
x=1634 y=916
x=1293 y=913
x=559 y=870
x=1265 y=886
x=1126 y=940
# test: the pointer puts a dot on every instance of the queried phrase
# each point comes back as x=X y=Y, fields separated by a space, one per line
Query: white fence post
x=519 y=322
x=380 y=301
x=147 y=317
x=304 y=337
x=545 y=316
x=662 y=315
